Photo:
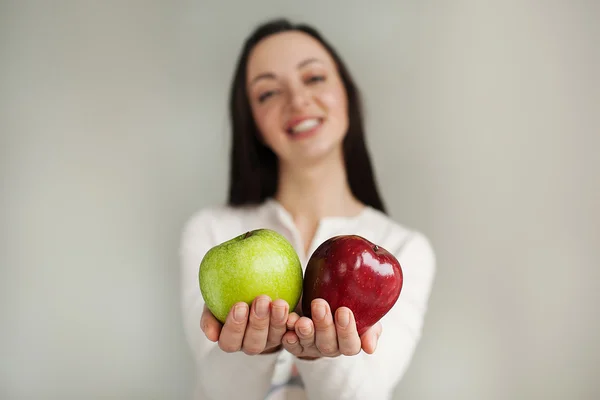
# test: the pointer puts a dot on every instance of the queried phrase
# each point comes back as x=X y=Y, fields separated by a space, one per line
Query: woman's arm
x=220 y=374
x=375 y=376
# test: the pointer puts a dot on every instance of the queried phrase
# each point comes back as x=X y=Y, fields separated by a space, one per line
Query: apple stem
x=247 y=235
x=375 y=248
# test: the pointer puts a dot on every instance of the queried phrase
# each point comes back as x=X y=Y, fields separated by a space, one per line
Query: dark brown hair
x=253 y=171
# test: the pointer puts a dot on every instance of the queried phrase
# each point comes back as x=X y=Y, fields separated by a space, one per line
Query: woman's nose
x=299 y=97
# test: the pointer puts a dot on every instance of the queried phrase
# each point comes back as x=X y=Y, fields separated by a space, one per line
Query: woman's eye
x=265 y=95
x=315 y=79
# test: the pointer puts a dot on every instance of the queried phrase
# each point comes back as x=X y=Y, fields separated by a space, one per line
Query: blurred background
x=483 y=122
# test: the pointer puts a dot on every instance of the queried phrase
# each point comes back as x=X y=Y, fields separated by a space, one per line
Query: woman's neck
x=310 y=193
x=317 y=191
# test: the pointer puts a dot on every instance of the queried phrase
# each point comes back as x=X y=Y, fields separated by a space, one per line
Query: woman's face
x=297 y=97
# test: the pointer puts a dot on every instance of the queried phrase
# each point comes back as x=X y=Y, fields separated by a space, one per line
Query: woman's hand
x=255 y=331
x=326 y=336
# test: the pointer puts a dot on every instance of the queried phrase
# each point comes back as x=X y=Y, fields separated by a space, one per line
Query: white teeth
x=306 y=125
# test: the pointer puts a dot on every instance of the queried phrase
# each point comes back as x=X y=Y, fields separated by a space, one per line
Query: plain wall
x=483 y=124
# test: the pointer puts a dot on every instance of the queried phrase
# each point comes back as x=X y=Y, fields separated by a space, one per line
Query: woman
x=299 y=165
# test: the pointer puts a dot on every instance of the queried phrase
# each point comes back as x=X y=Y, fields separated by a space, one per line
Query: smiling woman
x=300 y=166
x=266 y=100
x=301 y=97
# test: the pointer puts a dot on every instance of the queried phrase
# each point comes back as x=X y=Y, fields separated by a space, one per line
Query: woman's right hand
x=254 y=331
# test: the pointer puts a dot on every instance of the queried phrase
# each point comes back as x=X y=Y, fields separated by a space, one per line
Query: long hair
x=254 y=167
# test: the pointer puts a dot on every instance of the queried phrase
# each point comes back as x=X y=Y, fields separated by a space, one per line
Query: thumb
x=370 y=338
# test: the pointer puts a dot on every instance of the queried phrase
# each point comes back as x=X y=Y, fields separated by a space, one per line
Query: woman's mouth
x=305 y=127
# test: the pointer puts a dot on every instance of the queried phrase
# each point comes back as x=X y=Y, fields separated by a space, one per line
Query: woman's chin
x=316 y=153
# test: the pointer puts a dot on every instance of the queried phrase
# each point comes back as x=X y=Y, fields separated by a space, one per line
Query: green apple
x=258 y=262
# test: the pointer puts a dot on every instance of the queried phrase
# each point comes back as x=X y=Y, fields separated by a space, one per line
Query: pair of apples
x=345 y=270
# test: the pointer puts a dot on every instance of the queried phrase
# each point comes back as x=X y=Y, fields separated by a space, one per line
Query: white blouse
x=280 y=375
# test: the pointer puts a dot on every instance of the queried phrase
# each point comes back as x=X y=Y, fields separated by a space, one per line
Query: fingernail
x=239 y=313
x=343 y=318
x=319 y=313
x=292 y=340
x=278 y=313
x=305 y=330
x=262 y=308
x=290 y=325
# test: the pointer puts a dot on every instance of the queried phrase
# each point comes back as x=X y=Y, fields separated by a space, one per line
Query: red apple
x=350 y=271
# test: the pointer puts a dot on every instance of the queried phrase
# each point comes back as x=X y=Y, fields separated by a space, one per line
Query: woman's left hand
x=326 y=336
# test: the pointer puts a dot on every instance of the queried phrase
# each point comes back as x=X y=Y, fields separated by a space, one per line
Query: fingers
x=325 y=332
x=291 y=321
x=255 y=339
x=370 y=338
x=210 y=325
x=291 y=343
x=306 y=332
x=277 y=327
x=232 y=333
x=349 y=342
x=325 y=335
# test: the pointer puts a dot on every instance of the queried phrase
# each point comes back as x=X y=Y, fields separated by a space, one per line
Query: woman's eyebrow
x=270 y=75
x=265 y=75
x=309 y=61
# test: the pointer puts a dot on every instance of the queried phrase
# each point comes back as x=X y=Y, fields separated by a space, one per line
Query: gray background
x=483 y=123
